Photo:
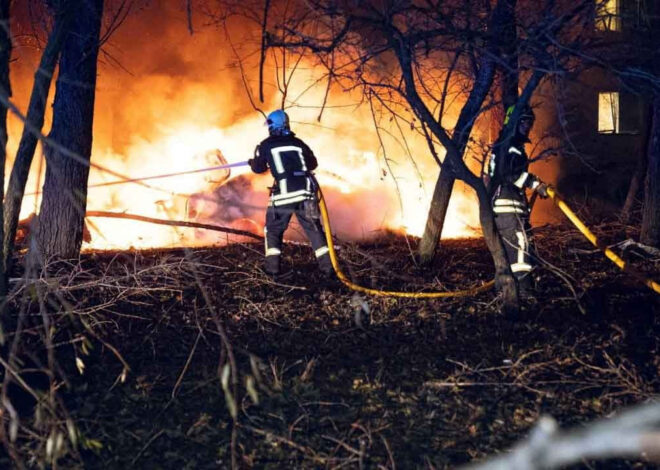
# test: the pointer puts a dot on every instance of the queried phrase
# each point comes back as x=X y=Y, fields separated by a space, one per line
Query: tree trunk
x=33 y=125
x=509 y=49
x=437 y=213
x=651 y=214
x=504 y=280
x=61 y=217
x=637 y=179
x=633 y=189
x=502 y=21
x=457 y=144
x=5 y=89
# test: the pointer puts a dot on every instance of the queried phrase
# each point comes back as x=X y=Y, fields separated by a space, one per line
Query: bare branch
x=633 y=434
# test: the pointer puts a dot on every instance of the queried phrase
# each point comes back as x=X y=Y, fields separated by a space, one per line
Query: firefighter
x=509 y=177
x=291 y=162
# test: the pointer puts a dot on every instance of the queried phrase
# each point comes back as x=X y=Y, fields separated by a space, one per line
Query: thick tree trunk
x=437 y=213
x=5 y=89
x=637 y=180
x=651 y=216
x=61 y=218
x=29 y=139
x=504 y=280
x=501 y=23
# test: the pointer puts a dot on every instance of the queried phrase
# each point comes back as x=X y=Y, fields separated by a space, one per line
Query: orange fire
x=182 y=106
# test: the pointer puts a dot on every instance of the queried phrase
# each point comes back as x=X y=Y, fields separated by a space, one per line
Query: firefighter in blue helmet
x=290 y=161
x=509 y=177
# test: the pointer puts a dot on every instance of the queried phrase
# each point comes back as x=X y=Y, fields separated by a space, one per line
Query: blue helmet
x=278 y=123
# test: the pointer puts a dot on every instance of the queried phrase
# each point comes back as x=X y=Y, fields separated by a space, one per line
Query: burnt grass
x=321 y=384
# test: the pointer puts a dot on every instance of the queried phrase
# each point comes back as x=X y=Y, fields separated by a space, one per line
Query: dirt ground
x=314 y=381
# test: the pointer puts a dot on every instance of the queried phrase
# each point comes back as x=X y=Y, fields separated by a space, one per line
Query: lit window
x=608 y=113
x=620 y=113
x=608 y=16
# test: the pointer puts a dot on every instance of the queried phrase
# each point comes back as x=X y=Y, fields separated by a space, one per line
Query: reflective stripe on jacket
x=290 y=160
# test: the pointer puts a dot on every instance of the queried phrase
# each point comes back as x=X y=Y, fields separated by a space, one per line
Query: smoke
x=166 y=100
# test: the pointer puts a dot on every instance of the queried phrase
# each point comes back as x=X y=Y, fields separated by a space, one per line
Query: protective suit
x=509 y=177
x=290 y=161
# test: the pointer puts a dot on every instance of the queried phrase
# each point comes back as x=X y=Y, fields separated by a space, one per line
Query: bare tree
x=35 y=121
x=631 y=56
x=62 y=12
x=60 y=227
x=502 y=49
x=651 y=215
x=5 y=88
x=406 y=55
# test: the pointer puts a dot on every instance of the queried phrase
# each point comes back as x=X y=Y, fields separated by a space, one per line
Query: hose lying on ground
x=351 y=285
x=589 y=235
x=653 y=285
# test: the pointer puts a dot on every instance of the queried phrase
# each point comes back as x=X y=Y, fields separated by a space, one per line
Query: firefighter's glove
x=542 y=190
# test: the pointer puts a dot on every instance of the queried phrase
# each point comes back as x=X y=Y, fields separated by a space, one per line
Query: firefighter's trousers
x=512 y=220
x=277 y=221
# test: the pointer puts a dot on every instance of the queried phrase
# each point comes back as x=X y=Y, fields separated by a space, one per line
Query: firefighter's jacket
x=290 y=160
x=509 y=177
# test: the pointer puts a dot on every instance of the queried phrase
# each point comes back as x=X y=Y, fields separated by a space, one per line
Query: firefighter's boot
x=272 y=265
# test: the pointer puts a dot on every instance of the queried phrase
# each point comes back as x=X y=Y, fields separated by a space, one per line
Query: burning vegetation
x=174 y=109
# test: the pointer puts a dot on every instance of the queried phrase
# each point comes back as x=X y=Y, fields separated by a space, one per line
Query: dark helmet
x=523 y=126
x=527 y=113
x=278 y=123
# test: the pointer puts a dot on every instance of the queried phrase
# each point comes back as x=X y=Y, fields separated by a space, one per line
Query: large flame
x=180 y=110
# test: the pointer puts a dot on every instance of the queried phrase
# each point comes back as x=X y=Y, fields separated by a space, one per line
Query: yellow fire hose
x=653 y=285
x=592 y=238
x=474 y=290
x=384 y=293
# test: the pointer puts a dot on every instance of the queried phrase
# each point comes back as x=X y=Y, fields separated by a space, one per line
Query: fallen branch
x=308 y=452
x=632 y=434
x=173 y=223
x=632 y=245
